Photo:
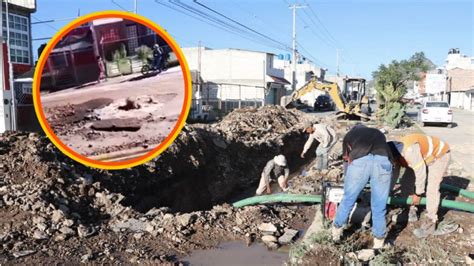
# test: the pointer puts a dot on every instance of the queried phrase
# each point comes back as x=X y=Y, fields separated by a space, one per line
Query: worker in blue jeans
x=367 y=156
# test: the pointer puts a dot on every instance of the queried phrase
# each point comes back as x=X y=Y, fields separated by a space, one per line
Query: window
x=437 y=104
x=19 y=38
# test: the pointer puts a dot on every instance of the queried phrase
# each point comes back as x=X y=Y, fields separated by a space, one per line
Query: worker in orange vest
x=426 y=159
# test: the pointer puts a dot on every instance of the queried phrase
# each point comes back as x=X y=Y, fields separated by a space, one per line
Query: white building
x=457 y=60
x=304 y=72
x=234 y=78
x=435 y=84
x=461 y=88
x=15 y=42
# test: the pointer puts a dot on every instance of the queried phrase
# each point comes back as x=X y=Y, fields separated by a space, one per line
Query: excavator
x=352 y=103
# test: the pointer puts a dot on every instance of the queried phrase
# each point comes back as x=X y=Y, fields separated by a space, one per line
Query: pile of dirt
x=53 y=209
x=52 y=206
x=250 y=125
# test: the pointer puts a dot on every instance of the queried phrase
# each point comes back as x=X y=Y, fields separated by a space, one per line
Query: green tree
x=391 y=84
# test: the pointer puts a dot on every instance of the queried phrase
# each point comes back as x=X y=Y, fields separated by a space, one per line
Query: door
x=5 y=111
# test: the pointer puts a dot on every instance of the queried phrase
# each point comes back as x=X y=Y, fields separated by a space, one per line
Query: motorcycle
x=149 y=67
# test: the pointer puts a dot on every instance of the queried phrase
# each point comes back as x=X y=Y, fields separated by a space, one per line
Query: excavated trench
x=203 y=169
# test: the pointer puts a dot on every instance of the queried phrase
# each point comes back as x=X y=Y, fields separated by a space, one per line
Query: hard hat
x=280 y=160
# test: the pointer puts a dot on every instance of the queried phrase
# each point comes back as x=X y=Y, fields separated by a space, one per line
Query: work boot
x=336 y=233
x=379 y=243
x=427 y=228
x=412 y=214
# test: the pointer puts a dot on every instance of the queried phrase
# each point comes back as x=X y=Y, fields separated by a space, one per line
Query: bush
x=144 y=52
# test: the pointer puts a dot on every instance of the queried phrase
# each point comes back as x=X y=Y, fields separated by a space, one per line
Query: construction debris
x=165 y=208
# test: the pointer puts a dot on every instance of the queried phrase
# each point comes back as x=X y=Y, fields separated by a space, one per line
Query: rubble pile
x=250 y=125
x=52 y=206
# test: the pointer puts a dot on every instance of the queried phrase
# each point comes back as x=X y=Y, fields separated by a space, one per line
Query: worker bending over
x=426 y=159
x=275 y=169
x=326 y=136
x=367 y=158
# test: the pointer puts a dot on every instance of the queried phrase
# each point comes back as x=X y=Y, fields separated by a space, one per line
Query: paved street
x=460 y=138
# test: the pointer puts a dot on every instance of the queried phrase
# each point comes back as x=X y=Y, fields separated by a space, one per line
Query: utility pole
x=294 y=7
x=337 y=62
x=10 y=68
x=135 y=6
x=199 y=84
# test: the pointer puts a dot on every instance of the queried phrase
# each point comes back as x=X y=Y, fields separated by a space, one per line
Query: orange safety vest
x=431 y=147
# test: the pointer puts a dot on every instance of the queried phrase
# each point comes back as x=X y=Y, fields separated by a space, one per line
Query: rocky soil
x=54 y=210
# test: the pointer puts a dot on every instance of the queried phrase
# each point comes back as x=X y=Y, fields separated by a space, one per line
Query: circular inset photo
x=112 y=90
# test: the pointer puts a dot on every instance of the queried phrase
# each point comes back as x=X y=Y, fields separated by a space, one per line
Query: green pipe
x=286 y=198
x=291 y=198
x=450 y=204
x=460 y=191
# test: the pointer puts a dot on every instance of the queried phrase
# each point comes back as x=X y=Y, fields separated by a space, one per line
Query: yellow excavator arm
x=331 y=88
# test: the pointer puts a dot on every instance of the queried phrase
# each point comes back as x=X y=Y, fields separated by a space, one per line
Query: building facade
x=461 y=88
x=304 y=73
x=457 y=60
x=16 y=58
x=18 y=33
x=73 y=61
x=232 y=78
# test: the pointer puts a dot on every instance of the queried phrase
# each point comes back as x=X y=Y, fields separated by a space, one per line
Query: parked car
x=435 y=112
x=323 y=103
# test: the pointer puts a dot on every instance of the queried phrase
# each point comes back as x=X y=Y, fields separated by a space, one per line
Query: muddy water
x=237 y=253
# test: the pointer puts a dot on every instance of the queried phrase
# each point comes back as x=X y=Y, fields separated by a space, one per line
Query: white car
x=435 y=112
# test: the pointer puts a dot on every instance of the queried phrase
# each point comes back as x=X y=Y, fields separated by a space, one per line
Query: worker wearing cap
x=367 y=158
x=426 y=159
x=277 y=169
x=326 y=136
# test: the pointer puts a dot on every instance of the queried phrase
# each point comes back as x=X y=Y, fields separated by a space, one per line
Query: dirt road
x=122 y=113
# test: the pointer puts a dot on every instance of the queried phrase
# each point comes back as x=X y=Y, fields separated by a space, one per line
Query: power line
x=119 y=5
x=214 y=24
x=268 y=25
x=320 y=37
x=47 y=24
x=240 y=24
x=313 y=58
x=219 y=23
x=335 y=43
x=321 y=23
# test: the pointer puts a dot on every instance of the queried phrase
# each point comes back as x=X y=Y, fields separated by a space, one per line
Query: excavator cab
x=354 y=93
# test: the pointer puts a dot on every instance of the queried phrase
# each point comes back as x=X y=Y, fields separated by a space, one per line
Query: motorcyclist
x=157 y=56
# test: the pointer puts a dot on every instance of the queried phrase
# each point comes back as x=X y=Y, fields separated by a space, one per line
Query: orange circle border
x=127 y=163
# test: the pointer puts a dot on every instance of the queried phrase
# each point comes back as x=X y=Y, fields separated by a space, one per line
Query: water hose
x=293 y=198
x=273 y=198
x=450 y=204
x=460 y=191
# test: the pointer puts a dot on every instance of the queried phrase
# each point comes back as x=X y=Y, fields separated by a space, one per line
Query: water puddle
x=237 y=253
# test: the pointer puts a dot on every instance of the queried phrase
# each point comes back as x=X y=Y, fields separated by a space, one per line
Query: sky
x=366 y=33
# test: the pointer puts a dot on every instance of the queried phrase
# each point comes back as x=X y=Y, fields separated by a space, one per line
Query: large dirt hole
x=205 y=171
